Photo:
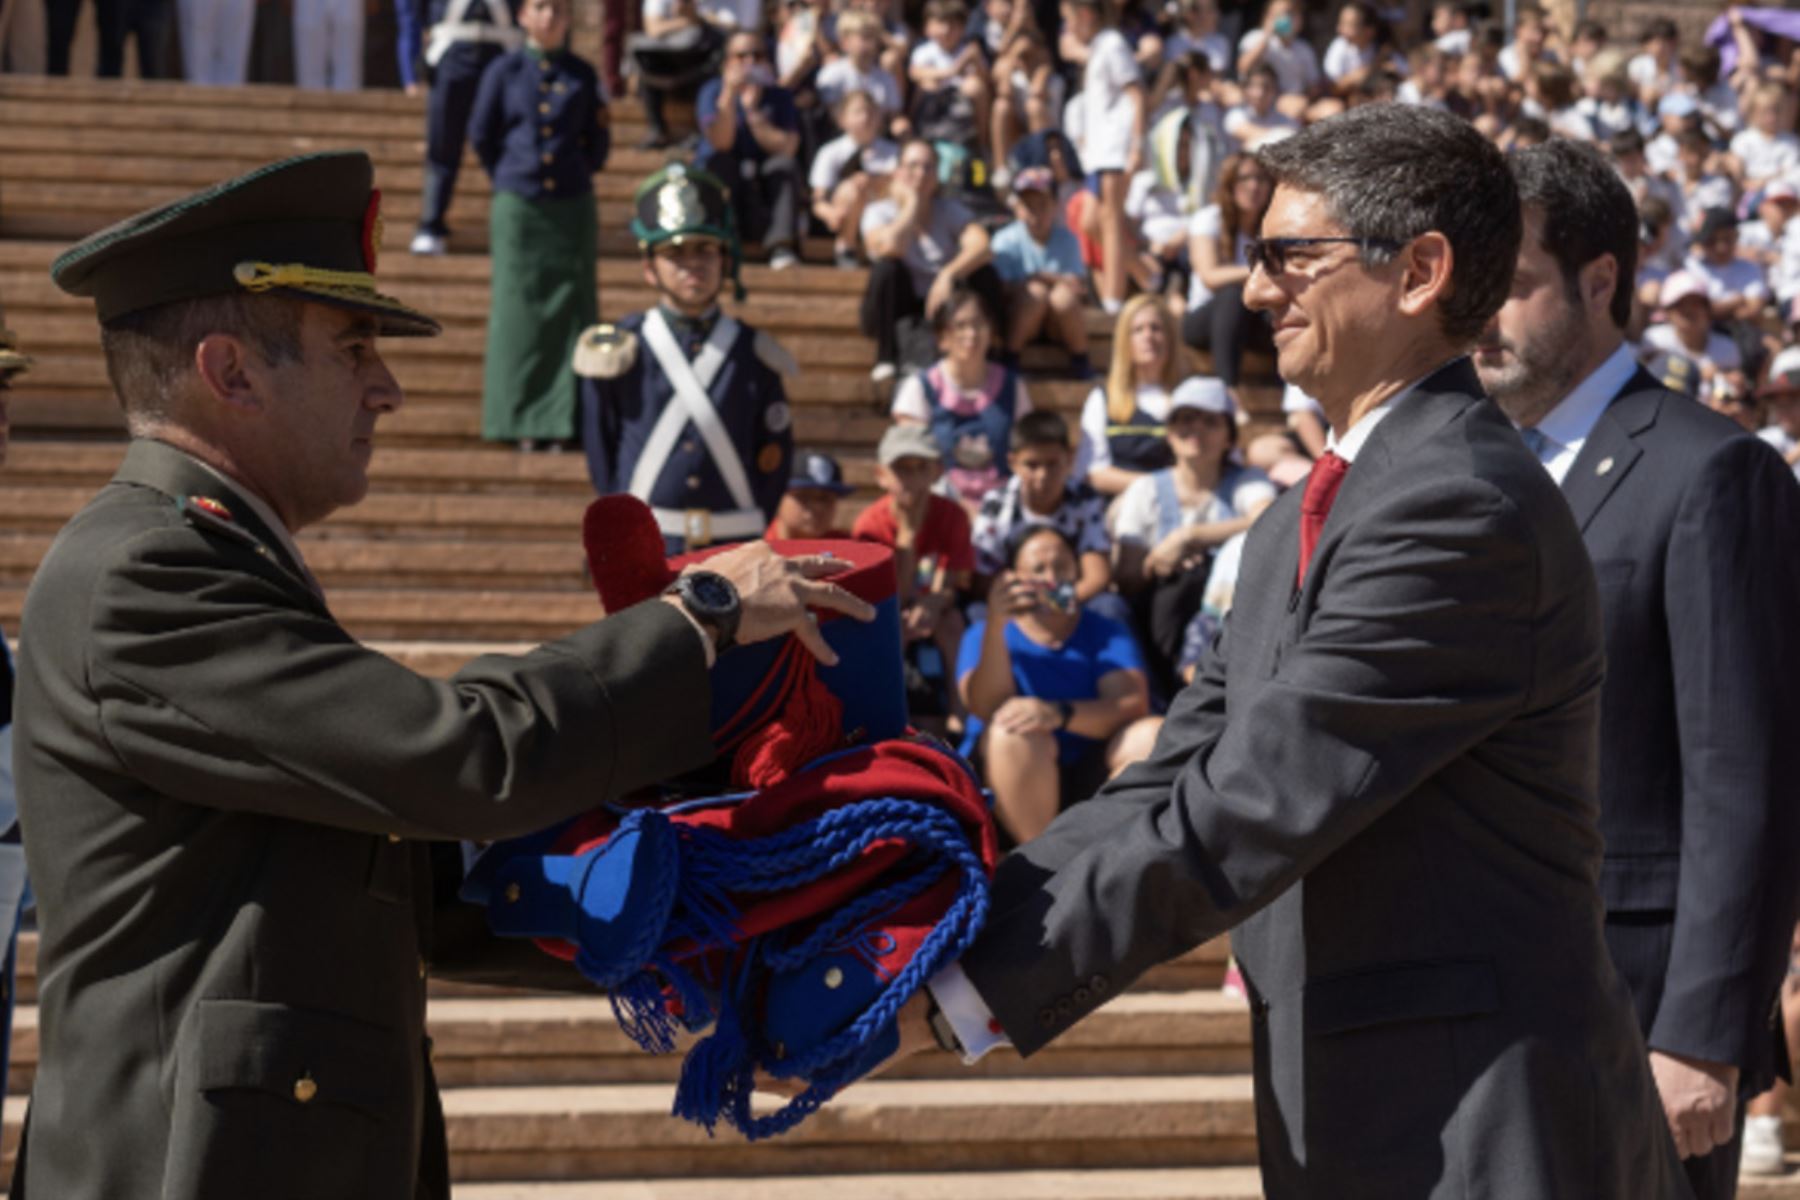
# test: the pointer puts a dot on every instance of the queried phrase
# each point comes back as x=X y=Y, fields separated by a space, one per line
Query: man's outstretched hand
x=776 y=593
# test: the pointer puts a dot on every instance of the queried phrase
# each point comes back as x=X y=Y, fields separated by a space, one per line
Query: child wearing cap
x=1687 y=328
x=929 y=534
x=1039 y=260
x=1170 y=523
x=540 y=130
x=809 y=507
x=1783 y=394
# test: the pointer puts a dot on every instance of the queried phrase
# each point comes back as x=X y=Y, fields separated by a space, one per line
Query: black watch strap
x=1067 y=709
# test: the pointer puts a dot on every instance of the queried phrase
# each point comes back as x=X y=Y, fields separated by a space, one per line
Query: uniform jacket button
x=305 y=1089
x=394 y=839
x=1082 y=995
x=1047 y=1017
x=544 y=109
x=549 y=185
x=693 y=482
x=1099 y=984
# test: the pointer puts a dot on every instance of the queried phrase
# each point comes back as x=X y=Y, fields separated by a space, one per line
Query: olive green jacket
x=230 y=808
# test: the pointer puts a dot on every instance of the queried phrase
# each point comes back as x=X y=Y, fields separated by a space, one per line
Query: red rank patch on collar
x=371 y=231
x=207 y=504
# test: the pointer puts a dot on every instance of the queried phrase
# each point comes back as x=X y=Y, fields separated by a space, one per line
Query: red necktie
x=1315 y=505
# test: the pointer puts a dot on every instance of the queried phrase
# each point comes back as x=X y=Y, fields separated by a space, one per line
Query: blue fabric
x=778 y=104
x=618 y=415
x=536 y=126
x=1019 y=256
x=1098 y=647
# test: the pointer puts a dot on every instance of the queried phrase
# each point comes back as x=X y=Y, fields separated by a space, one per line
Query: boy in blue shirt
x=1057 y=695
x=1039 y=260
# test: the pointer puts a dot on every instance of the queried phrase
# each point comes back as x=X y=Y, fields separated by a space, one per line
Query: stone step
x=541 y=1041
x=1152 y=1183
x=624 y=1131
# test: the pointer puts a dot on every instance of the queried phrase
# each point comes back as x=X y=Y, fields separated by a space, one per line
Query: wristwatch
x=712 y=600
x=941 y=1029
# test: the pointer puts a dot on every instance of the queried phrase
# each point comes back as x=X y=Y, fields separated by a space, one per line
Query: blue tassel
x=638 y=1005
x=715 y=1071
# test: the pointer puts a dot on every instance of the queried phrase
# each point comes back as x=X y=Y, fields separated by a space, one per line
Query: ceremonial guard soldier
x=461 y=38
x=683 y=406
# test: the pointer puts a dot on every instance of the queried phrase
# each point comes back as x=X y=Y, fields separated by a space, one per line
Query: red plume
x=624 y=551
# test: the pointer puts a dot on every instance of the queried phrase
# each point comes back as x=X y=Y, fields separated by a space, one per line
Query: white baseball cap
x=1204 y=393
x=1679 y=286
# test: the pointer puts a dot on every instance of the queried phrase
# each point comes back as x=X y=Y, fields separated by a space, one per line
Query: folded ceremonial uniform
x=792 y=903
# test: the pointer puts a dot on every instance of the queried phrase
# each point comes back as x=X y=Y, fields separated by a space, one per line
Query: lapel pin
x=1605 y=465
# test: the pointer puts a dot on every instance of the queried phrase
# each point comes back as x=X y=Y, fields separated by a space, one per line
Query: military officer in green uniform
x=236 y=817
x=682 y=405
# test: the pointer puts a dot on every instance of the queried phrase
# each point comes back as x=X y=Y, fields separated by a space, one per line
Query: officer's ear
x=228 y=371
x=650 y=272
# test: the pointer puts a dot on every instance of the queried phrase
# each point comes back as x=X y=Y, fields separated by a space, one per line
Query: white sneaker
x=1763 y=1152
x=782 y=259
x=882 y=372
x=429 y=243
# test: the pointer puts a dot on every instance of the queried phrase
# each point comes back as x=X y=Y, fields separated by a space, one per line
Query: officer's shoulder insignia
x=605 y=352
x=210 y=515
x=774 y=355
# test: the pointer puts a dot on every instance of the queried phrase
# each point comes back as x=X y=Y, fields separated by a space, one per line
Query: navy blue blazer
x=539 y=124
x=1692 y=525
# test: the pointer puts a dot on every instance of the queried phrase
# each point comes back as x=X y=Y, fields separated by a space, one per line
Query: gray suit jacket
x=1384 y=783
x=228 y=806
x=1693 y=527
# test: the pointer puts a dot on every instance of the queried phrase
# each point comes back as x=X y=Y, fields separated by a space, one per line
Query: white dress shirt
x=1566 y=427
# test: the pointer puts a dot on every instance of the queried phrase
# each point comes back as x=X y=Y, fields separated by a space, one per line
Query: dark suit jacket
x=1694 y=529
x=229 y=806
x=1385 y=783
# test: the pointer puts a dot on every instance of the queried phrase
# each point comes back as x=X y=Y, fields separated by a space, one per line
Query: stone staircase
x=464 y=547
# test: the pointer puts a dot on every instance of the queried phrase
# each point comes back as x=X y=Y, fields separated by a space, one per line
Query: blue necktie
x=1535 y=441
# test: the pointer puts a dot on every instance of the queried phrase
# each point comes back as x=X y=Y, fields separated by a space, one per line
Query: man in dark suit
x=230 y=806
x=1692 y=525
x=1382 y=778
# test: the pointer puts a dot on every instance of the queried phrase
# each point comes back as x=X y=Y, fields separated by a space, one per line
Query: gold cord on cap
x=261 y=276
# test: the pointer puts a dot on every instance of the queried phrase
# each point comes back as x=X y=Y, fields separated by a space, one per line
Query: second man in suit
x=1691 y=524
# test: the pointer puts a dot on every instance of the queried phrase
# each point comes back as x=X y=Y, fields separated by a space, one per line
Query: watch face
x=711 y=591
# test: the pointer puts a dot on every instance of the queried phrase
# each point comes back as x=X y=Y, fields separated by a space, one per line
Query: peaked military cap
x=307 y=227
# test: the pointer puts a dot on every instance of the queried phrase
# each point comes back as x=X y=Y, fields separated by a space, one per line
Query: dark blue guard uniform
x=712 y=463
x=461 y=38
x=558 y=152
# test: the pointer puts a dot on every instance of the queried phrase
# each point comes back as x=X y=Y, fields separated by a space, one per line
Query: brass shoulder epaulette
x=605 y=352
x=774 y=355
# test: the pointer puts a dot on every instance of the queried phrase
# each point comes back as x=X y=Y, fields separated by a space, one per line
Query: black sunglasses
x=1271 y=254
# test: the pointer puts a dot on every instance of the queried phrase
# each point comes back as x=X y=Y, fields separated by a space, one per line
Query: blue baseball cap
x=819 y=472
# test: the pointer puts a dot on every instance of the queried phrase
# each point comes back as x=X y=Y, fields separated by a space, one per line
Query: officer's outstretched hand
x=777 y=593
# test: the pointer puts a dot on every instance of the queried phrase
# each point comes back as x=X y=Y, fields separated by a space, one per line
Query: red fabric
x=624 y=551
x=902 y=769
x=945 y=534
x=1315 y=505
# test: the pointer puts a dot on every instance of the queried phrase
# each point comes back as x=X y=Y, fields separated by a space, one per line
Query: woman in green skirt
x=539 y=128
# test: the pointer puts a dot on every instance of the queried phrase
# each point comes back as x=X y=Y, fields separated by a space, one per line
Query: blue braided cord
x=853 y=915
x=843 y=1058
x=804 y=853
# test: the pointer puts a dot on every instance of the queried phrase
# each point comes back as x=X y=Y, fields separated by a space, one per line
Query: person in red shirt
x=933 y=553
x=809 y=507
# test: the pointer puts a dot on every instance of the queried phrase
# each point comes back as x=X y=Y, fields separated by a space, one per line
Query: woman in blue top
x=1057 y=696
